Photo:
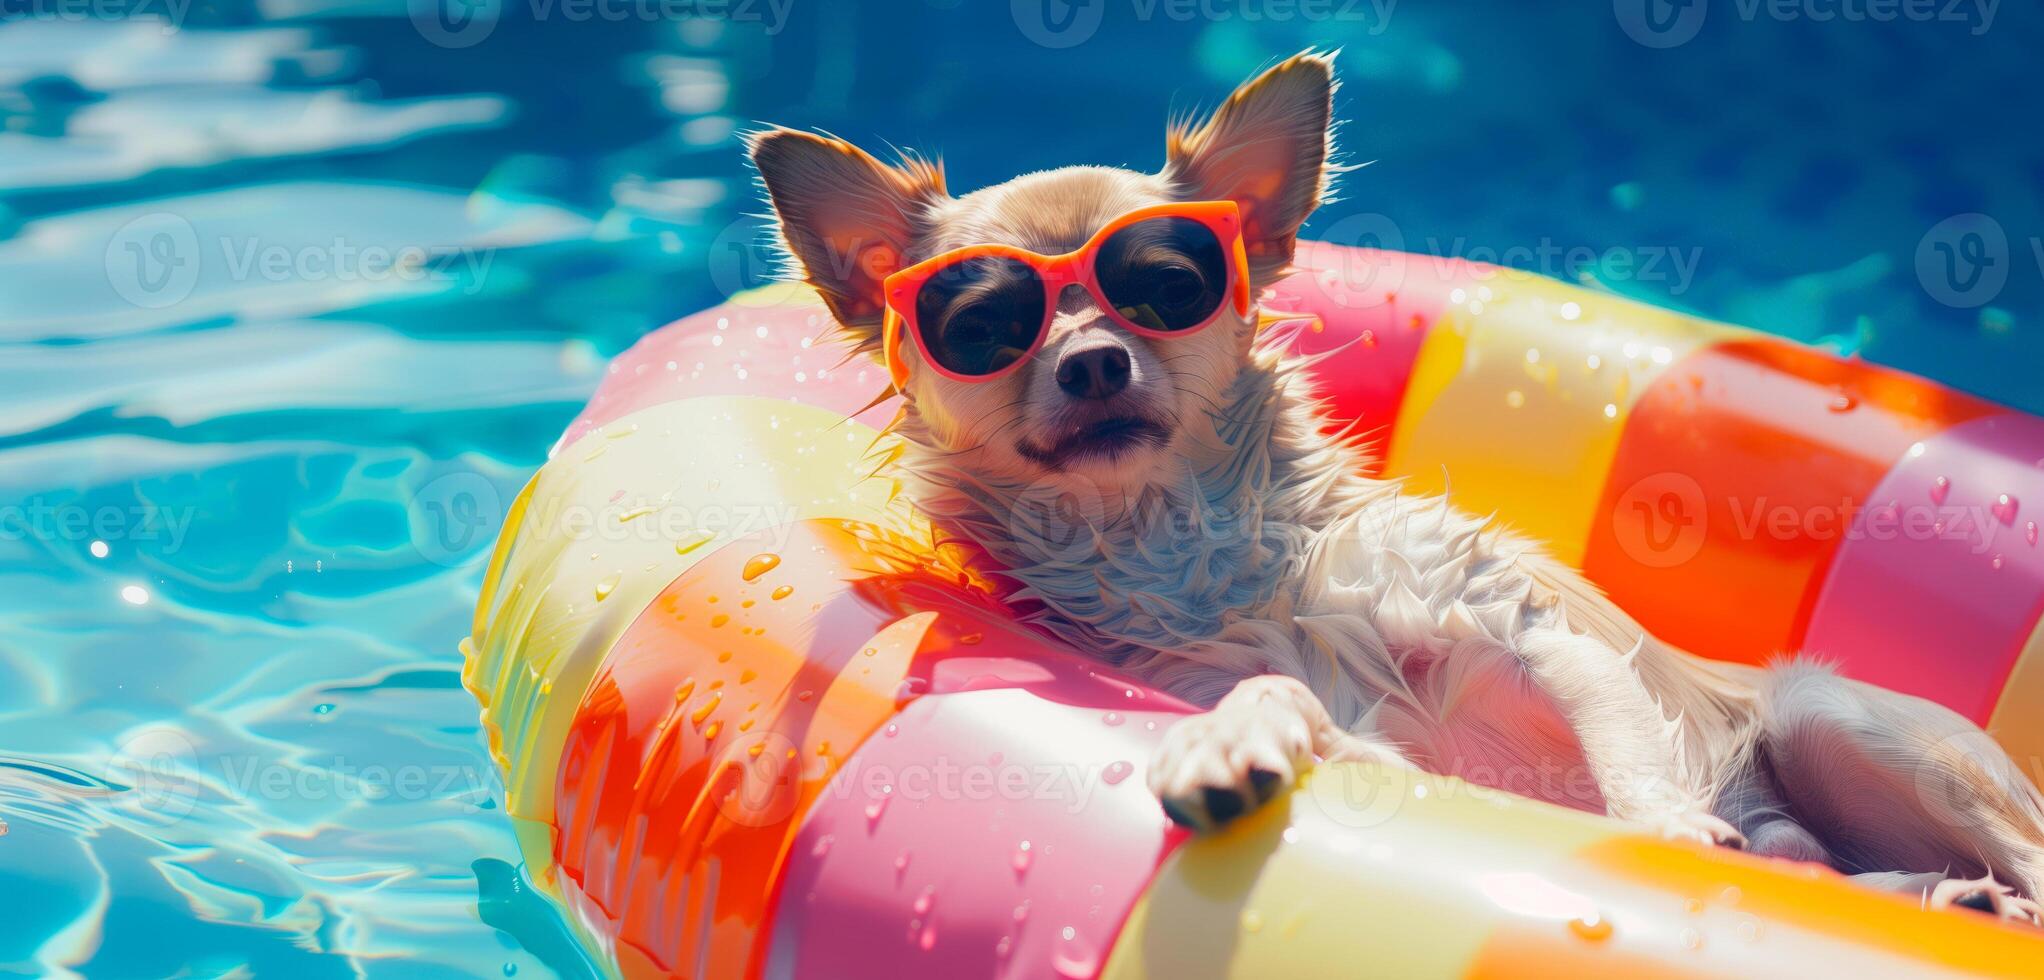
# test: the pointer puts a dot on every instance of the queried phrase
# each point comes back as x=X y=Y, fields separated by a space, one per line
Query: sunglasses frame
x=1057 y=273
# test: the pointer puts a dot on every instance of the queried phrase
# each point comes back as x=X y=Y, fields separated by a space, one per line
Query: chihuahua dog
x=1087 y=402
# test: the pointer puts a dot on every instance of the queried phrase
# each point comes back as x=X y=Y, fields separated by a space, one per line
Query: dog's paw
x=1986 y=896
x=1699 y=826
x=1215 y=767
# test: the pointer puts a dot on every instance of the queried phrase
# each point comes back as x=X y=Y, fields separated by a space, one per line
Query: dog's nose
x=1097 y=373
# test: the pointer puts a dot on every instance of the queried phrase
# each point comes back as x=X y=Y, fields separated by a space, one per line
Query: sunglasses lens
x=980 y=315
x=1164 y=273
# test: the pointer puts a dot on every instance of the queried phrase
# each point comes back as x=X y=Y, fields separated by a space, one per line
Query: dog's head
x=1095 y=400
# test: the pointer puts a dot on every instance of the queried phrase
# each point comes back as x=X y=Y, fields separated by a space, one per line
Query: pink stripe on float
x=995 y=832
x=1375 y=308
x=1941 y=578
x=773 y=350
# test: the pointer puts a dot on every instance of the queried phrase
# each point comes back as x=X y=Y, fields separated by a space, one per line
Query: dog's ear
x=845 y=217
x=1265 y=149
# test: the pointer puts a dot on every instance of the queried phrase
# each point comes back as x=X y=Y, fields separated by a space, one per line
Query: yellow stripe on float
x=1520 y=393
x=2018 y=719
x=1361 y=871
x=609 y=522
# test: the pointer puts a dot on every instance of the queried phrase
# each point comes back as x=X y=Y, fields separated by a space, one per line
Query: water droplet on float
x=719 y=620
x=703 y=713
x=1116 y=772
x=929 y=937
x=921 y=906
x=693 y=541
x=759 y=565
x=687 y=688
x=1002 y=948
x=1692 y=939
x=134 y=595
x=1021 y=860
x=1592 y=927
x=873 y=812
x=822 y=846
x=1252 y=921
x=510 y=969
x=783 y=592
x=1842 y=402
x=606 y=587
x=2030 y=533
x=1995 y=563
x=1111 y=719
x=1022 y=911
x=891 y=730
x=1940 y=488
x=970 y=639
x=901 y=863
x=322 y=709
x=2004 y=510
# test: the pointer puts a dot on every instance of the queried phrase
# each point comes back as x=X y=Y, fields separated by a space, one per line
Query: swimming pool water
x=295 y=294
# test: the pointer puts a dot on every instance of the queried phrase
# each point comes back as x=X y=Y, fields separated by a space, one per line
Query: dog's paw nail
x=1179 y=814
x=1266 y=783
x=1223 y=805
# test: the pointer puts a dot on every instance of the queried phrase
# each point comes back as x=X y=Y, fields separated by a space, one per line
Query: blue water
x=293 y=298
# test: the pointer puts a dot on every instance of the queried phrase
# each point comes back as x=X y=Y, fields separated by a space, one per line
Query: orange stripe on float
x=715 y=721
x=607 y=524
x=1735 y=482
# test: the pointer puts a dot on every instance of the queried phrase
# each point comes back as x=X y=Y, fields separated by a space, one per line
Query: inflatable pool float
x=752 y=725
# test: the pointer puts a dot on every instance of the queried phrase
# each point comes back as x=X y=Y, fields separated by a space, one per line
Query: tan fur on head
x=848 y=219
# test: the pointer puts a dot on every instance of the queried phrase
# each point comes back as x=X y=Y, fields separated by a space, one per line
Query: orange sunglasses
x=978 y=312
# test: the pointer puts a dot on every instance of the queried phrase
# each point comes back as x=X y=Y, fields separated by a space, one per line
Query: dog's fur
x=1236 y=556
